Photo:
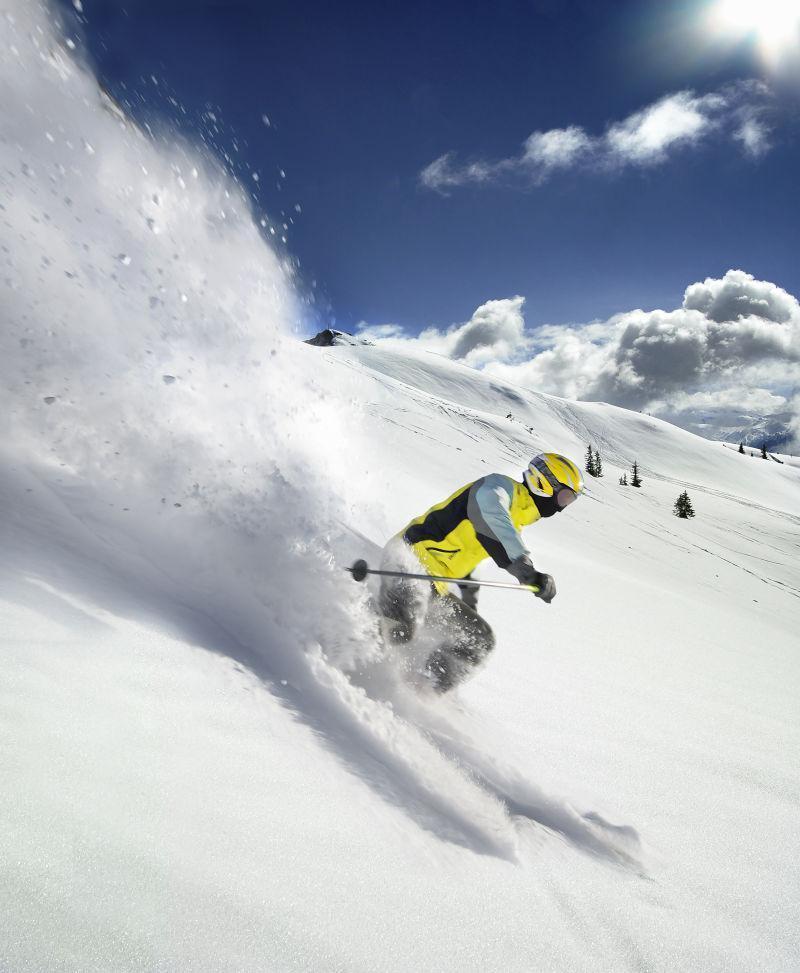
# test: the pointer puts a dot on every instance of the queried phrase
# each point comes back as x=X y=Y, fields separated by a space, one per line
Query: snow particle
x=266 y=121
x=49 y=399
x=78 y=6
x=168 y=379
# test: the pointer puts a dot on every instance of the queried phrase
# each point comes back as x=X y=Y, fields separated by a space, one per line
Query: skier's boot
x=439 y=670
x=448 y=666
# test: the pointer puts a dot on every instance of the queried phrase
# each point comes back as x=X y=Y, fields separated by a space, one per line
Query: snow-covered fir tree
x=593 y=464
x=636 y=480
x=588 y=464
x=683 y=506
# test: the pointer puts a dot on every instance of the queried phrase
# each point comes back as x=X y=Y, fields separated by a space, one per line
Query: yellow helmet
x=553 y=475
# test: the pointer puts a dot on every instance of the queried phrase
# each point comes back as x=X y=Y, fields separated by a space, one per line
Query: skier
x=482 y=519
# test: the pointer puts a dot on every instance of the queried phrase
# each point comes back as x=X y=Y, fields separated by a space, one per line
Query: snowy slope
x=208 y=761
x=659 y=690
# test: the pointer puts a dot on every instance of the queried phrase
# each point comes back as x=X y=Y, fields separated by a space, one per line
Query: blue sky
x=362 y=97
x=596 y=200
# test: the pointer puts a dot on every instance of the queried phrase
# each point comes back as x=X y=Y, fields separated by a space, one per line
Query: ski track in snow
x=522 y=800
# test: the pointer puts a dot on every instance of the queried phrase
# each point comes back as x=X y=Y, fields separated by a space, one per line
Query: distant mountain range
x=774 y=431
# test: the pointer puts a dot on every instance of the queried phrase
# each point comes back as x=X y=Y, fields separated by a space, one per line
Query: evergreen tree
x=683 y=506
x=589 y=464
x=741 y=448
x=636 y=480
x=763 y=451
x=623 y=480
x=593 y=464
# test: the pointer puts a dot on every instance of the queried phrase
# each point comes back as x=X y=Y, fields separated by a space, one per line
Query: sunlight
x=774 y=25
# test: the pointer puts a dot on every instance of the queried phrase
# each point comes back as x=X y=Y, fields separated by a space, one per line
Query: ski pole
x=361 y=569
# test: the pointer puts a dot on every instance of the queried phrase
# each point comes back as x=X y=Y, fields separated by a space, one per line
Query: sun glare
x=774 y=25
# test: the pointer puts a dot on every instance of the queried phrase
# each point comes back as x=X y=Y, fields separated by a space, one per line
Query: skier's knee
x=402 y=609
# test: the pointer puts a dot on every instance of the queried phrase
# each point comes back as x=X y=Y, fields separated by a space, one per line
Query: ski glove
x=523 y=570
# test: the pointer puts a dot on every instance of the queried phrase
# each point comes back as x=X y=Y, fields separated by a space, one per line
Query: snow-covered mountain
x=330 y=336
x=208 y=759
x=773 y=431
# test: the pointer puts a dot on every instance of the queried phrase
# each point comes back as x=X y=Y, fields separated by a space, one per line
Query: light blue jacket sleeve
x=489 y=510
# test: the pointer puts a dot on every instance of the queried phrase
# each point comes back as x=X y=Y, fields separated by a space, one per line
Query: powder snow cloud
x=648 y=137
x=733 y=343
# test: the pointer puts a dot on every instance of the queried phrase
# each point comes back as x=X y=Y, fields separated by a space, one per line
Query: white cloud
x=559 y=148
x=734 y=341
x=738 y=295
x=647 y=137
x=733 y=329
x=754 y=136
x=441 y=174
x=494 y=333
x=756 y=401
x=380 y=331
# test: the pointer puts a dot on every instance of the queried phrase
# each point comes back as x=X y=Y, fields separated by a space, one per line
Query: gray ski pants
x=465 y=639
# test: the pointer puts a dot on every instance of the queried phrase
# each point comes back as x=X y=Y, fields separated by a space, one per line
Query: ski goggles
x=563 y=495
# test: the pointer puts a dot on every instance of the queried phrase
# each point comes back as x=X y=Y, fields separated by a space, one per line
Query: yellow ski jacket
x=481 y=520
